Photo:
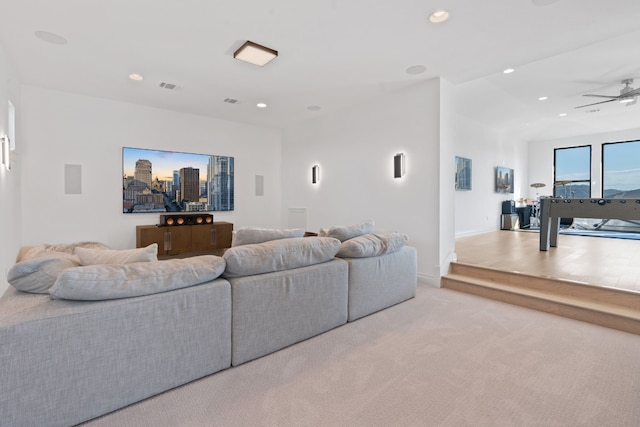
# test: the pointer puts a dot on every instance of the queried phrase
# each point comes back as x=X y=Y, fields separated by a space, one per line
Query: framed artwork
x=504 y=180
x=463 y=174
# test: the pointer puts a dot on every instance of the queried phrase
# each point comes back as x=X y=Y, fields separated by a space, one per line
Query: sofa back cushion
x=111 y=281
x=89 y=256
x=346 y=232
x=251 y=235
x=370 y=245
x=277 y=255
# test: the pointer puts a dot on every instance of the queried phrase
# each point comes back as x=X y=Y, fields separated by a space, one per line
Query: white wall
x=541 y=157
x=10 y=212
x=354 y=149
x=62 y=128
x=479 y=210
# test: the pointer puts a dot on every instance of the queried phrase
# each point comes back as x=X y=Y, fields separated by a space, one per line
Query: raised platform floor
x=596 y=280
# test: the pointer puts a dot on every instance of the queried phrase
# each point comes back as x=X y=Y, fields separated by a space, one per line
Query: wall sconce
x=315 y=174
x=398 y=165
x=6 y=152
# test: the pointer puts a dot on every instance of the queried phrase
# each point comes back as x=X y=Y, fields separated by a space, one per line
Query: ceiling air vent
x=169 y=86
x=231 y=101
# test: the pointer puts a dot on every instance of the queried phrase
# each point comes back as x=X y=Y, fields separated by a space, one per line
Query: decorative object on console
x=398 y=165
x=169 y=181
x=186 y=219
x=504 y=180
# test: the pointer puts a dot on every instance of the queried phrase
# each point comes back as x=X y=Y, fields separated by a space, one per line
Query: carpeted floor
x=441 y=359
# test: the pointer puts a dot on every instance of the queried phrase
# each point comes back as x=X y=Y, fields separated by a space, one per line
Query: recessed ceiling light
x=254 y=53
x=50 y=37
x=261 y=105
x=416 y=69
x=562 y=115
x=313 y=107
x=508 y=71
x=543 y=98
x=439 y=16
x=136 y=77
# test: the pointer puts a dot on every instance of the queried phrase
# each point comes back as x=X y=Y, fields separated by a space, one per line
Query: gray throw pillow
x=37 y=275
x=277 y=255
x=111 y=281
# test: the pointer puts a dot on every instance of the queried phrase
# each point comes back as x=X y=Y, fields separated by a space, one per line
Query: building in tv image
x=170 y=181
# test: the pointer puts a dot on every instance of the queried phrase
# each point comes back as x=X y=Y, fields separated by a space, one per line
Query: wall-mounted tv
x=172 y=181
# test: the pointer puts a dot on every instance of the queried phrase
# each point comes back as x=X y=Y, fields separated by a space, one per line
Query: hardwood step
x=613 y=308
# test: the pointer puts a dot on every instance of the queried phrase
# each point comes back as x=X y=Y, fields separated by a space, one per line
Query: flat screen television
x=172 y=181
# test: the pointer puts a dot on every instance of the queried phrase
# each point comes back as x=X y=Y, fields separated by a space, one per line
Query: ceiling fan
x=627 y=95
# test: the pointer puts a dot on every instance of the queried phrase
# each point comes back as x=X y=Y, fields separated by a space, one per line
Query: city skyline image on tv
x=172 y=181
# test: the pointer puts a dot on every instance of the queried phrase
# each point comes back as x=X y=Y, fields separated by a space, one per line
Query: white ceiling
x=337 y=53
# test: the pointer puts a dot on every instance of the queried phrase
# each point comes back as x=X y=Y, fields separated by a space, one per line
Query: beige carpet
x=441 y=359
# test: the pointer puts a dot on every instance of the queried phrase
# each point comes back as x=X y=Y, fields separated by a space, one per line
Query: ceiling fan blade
x=634 y=92
x=603 y=96
x=596 y=103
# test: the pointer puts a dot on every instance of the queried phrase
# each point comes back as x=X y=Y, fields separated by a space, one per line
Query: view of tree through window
x=572 y=172
x=621 y=169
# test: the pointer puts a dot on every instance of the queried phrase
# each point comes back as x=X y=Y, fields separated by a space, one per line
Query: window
x=572 y=172
x=621 y=169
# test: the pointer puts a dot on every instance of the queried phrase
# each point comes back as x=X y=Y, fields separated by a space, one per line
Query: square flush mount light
x=254 y=53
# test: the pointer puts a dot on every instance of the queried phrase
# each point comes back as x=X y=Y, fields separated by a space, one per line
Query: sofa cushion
x=251 y=235
x=90 y=256
x=111 y=281
x=277 y=255
x=372 y=244
x=347 y=232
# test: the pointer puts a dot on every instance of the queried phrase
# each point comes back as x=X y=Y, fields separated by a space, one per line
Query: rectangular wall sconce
x=254 y=53
x=398 y=165
x=315 y=174
x=6 y=152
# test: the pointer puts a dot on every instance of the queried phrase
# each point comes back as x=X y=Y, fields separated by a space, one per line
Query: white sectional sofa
x=144 y=327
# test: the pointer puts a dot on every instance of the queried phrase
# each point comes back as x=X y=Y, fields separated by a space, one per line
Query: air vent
x=169 y=86
x=231 y=101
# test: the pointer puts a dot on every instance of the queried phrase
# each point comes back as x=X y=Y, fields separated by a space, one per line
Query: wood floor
x=586 y=278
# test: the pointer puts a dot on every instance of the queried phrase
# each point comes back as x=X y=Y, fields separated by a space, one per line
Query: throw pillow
x=37 y=275
x=343 y=233
x=371 y=245
x=277 y=255
x=249 y=235
x=89 y=256
x=112 y=281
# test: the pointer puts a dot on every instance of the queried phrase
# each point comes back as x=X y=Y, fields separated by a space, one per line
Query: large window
x=572 y=172
x=621 y=169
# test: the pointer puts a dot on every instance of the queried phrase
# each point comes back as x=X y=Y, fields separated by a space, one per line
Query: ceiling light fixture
x=254 y=53
x=626 y=100
x=136 y=77
x=562 y=115
x=50 y=37
x=543 y=98
x=439 y=16
x=416 y=69
x=508 y=71
x=261 y=105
